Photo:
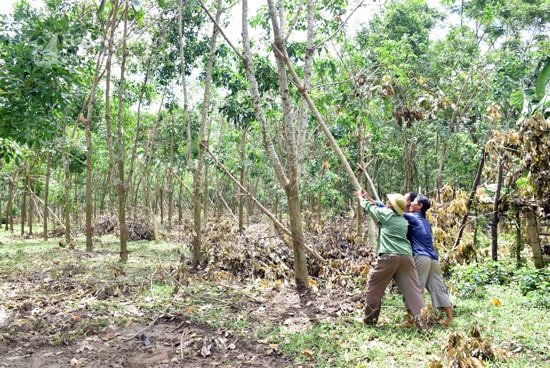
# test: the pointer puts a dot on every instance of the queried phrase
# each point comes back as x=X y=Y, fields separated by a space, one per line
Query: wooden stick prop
x=181 y=181
x=277 y=223
x=470 y=199
x=369 y=180
x=319 y=118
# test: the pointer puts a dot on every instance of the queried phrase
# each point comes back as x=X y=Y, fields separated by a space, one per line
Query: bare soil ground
x=51 y=316
x=175 y=341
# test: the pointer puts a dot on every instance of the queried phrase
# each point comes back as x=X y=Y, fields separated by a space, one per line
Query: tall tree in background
x=287 y=161
x=198 y=189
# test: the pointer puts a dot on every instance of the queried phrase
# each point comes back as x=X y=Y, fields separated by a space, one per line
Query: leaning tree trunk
x=470 y=199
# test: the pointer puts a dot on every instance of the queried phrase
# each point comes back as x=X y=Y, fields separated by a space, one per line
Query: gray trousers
x=431 y=278
x=402 y=269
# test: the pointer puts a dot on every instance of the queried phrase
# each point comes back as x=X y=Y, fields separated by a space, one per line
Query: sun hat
x=398 y=202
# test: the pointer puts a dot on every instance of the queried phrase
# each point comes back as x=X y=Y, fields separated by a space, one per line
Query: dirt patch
x=177 y=341
x=69 y=308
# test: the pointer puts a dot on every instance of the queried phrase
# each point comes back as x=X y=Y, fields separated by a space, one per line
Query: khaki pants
x=401 y=268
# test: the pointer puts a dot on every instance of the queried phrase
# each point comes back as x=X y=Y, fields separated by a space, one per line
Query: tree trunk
x=88 y=133
x=121 y=183
x=67 y=171
x=169 y=180
x=198 y=170
x=76 y=216
x=180 y=204
x=408 y=161
x=242 y=180
x=147 y=171
x=470 y=199
x=533 y=236
x=46 y=195
x=295 y=219
x=31 y=206
x=519 y=240
x=160 y=202
x=494 y=223
x=9 y=205
x=24 y=204
x=361 y=163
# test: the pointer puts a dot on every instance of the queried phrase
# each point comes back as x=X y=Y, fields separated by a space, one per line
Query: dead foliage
x=468 y=352
x=260 y=252
x=139 y=226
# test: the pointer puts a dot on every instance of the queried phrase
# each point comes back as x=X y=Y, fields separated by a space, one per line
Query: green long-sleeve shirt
x=393 y=230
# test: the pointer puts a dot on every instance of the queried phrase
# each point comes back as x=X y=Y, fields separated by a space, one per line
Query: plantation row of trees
x=156 y=107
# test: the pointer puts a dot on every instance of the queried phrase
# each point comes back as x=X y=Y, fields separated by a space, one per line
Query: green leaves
x=39 y=75
x=533 y=100
x=542 y=81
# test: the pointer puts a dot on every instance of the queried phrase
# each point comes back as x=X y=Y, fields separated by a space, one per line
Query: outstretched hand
x=362 y=194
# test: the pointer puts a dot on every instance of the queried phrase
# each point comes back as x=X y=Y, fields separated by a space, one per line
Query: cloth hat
x=398 y=202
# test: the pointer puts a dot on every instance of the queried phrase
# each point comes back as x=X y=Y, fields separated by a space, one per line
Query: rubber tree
x=287 y=162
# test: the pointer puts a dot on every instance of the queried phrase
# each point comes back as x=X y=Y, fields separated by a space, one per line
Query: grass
x=95 y=291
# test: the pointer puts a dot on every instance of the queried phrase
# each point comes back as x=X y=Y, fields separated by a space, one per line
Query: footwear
x=407 y=324
x=368 y=322
x=419 y=322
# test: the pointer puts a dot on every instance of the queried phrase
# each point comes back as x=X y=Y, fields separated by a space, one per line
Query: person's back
x=420 y=235
x=425 y=257
x=393 y=232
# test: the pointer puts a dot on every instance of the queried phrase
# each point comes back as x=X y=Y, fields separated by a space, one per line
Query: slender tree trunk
x=148 y=166
x=66 y=169
x=206 y=197
x=161 y=202
x=242 y=180
x=76 y=215
x=293 y=126
x=198 y=170
x=519 y=240
x=180 y=204
x=31 y=206
x=470 y=199
x=46 y=195
x=408 y=161
x=494 y=223
x=169 y=179
x=361 y=162
x=9 y=209
x=87 y=121
x=121 y=184
x=24 y=204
